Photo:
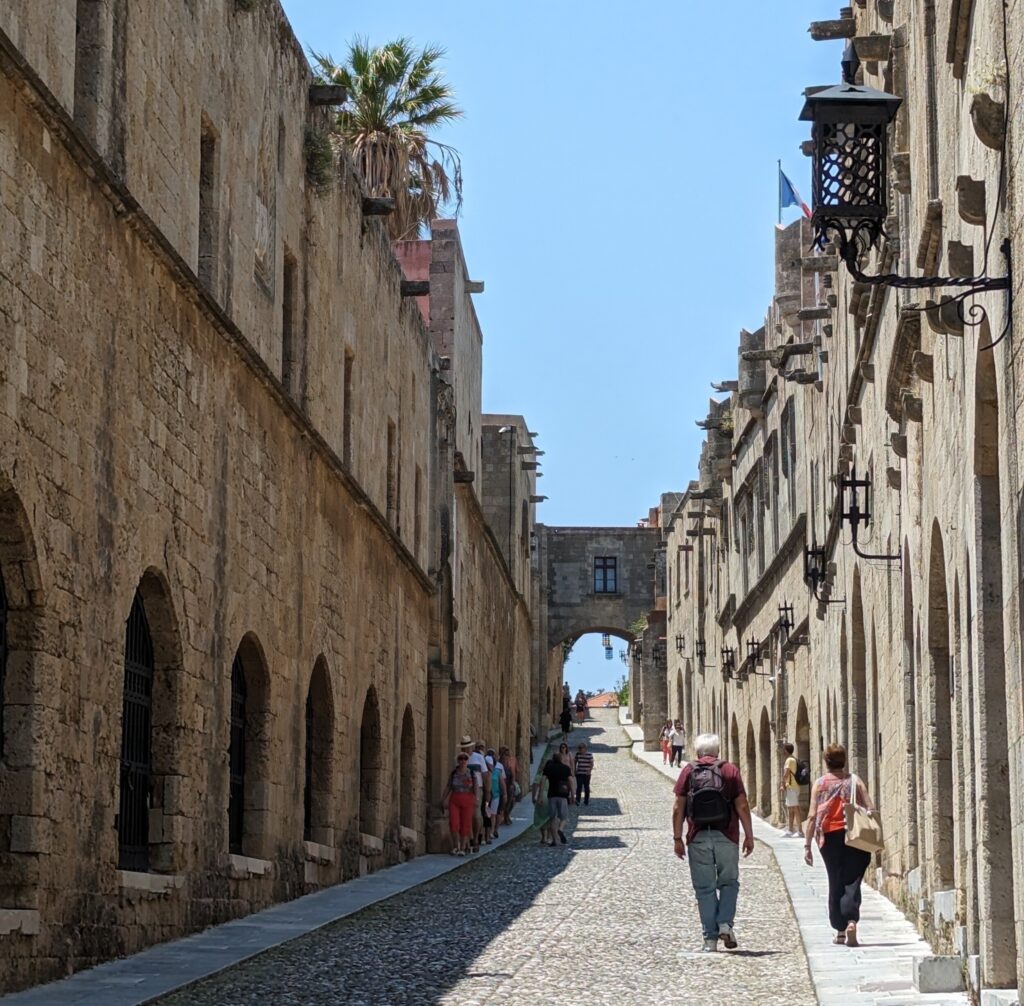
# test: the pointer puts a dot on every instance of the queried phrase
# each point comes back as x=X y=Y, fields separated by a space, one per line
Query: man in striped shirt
x=584 y=767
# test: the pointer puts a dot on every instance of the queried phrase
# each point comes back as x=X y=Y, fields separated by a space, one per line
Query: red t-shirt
x=732 y=786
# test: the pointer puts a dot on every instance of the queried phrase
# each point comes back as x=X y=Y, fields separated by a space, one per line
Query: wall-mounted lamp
x=754 y=650
x=850 y=138
x=728 y=662
x=785 y=622
x=680 y=643
x=854 y=515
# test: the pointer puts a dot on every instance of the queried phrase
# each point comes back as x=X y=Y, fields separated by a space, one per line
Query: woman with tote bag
x=841 y=812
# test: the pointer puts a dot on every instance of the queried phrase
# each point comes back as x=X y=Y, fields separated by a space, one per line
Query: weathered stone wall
x=214 y=395
x=911 y=661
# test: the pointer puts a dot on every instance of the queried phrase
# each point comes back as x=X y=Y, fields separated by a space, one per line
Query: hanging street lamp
x=849 y=133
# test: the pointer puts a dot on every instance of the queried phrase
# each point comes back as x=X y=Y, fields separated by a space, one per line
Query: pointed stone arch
x=27 y=675
x=750 y=765
x=857 y=740
x=408 y=798
x=318 y=808
x=371 y=768
x=997 y=944
x=735 y=755
x=802 y=740
x=764 y=745
x=939 y=751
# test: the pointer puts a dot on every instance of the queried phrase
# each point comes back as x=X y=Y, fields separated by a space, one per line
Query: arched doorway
x=750 y=766
x=803 y=746
x=371 y=817
x=688 y=717
x=875 y=729
x=998 y=945
x=940 y=723
x=910 y=715
x=735 y=754
x=248 y=816
x=858 y=736
x=764 y=743
x=407 y=797
x=317 y=802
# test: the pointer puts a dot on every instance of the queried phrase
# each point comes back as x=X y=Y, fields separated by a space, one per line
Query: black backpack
x=803 y=772
x=706 y=802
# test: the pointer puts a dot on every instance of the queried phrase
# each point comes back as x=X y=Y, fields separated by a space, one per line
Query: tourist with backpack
x=712 y=802
x=794 y=775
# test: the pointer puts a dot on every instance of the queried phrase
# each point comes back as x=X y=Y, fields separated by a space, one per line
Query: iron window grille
x=606 y=574
x=236 y=758
x=136 y=742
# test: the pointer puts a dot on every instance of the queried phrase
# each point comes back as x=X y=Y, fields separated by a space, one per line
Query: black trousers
x=845 y=867
x=583 y=788
x=677 y=756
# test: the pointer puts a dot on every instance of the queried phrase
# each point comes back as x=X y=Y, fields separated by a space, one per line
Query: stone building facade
x=906 y=644
x=249 y=594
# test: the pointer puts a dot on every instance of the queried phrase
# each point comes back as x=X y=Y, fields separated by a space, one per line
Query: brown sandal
x=839 y=938
x=851 y=935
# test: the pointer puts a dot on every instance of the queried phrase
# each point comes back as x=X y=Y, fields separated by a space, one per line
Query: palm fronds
x=397 y=96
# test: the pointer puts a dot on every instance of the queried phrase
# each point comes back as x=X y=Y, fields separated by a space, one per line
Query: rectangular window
x=209 y=226
x=417 y=519
x=606 y=575
x=392 y=475
x=288 y=320
x=346 y=406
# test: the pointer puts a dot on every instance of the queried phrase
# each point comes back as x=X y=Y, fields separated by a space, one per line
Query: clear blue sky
x=620 y=199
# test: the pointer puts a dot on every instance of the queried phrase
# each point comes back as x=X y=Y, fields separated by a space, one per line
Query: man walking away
x=565 y=722
x=584 y=768
x=556 y=779
x=712 y=800
x=790 y=789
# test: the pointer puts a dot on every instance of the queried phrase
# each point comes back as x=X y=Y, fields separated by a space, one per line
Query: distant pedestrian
x=496 y=796
x=565 y=722
x=712 y=801
x=512 y=788
x=565 y=757
x=583 y=769
x=460 y=801
x=581 y=706
x=826 y=823
x=665 y=740
x=556 y=783
x=790 y=789
x=477 y=765
x=677 y=738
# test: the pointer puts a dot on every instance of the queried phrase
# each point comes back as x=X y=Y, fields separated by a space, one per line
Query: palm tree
x=396 y=98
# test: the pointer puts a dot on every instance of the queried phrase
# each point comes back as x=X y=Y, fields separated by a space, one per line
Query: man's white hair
x=707 y=745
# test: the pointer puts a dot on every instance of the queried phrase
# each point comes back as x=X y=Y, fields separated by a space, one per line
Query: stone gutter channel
x=146 y=976
x=883 y=970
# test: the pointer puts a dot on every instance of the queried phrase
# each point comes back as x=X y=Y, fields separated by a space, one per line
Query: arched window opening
x=370 y=815
x=136 y=742
x=236 y=758
x=249 y=752
x=317 y=796
x=407 y=773
x=764 y=743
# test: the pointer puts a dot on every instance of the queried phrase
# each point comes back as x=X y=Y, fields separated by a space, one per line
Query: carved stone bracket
x=898 y=443
x=894 y=477
x=924 y=366
x=913 y=407
x=905 y=345
x=970 y=200
x=931 y=234
x=989 y=119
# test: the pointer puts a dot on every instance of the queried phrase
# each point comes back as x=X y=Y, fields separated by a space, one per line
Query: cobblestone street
x=609 y=919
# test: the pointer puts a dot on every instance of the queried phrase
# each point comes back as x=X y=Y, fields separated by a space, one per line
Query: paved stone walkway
x=877 y=973
x=609 y=919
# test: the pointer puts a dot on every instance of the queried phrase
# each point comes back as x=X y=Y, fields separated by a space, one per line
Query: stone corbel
x=989 y=119
x=960 y=258
x=913 y=407
x=970 y=200
x=924 y=366
x=898 y=443
x=894 y=477
x=901 y=172
x=931 y=234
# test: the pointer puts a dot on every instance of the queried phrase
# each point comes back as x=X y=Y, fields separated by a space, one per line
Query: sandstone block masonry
x=227 y=497
x=909 y=651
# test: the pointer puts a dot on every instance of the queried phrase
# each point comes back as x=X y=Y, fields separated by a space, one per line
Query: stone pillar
x=456 y=717
x=438 y=752
x=654 y=680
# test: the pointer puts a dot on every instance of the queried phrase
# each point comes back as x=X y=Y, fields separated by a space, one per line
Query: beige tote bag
x=863 y=830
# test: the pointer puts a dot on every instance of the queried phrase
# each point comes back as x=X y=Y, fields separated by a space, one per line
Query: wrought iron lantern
x=754 y=650
x=786 y=617
x=849 y=134
x=850 y=124
x=623 y=657
x=659 y=651
x=700 y=648
x=606 y=640
x=854 y=515
x=816 y=573
x=728 y=661
x=680 y=643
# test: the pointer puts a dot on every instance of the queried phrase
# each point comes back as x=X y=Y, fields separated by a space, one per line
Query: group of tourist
x=711 y=805
x=481 y=792
x=673 y=743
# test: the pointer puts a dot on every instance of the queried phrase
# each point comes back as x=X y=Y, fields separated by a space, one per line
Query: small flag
x=788 y=195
